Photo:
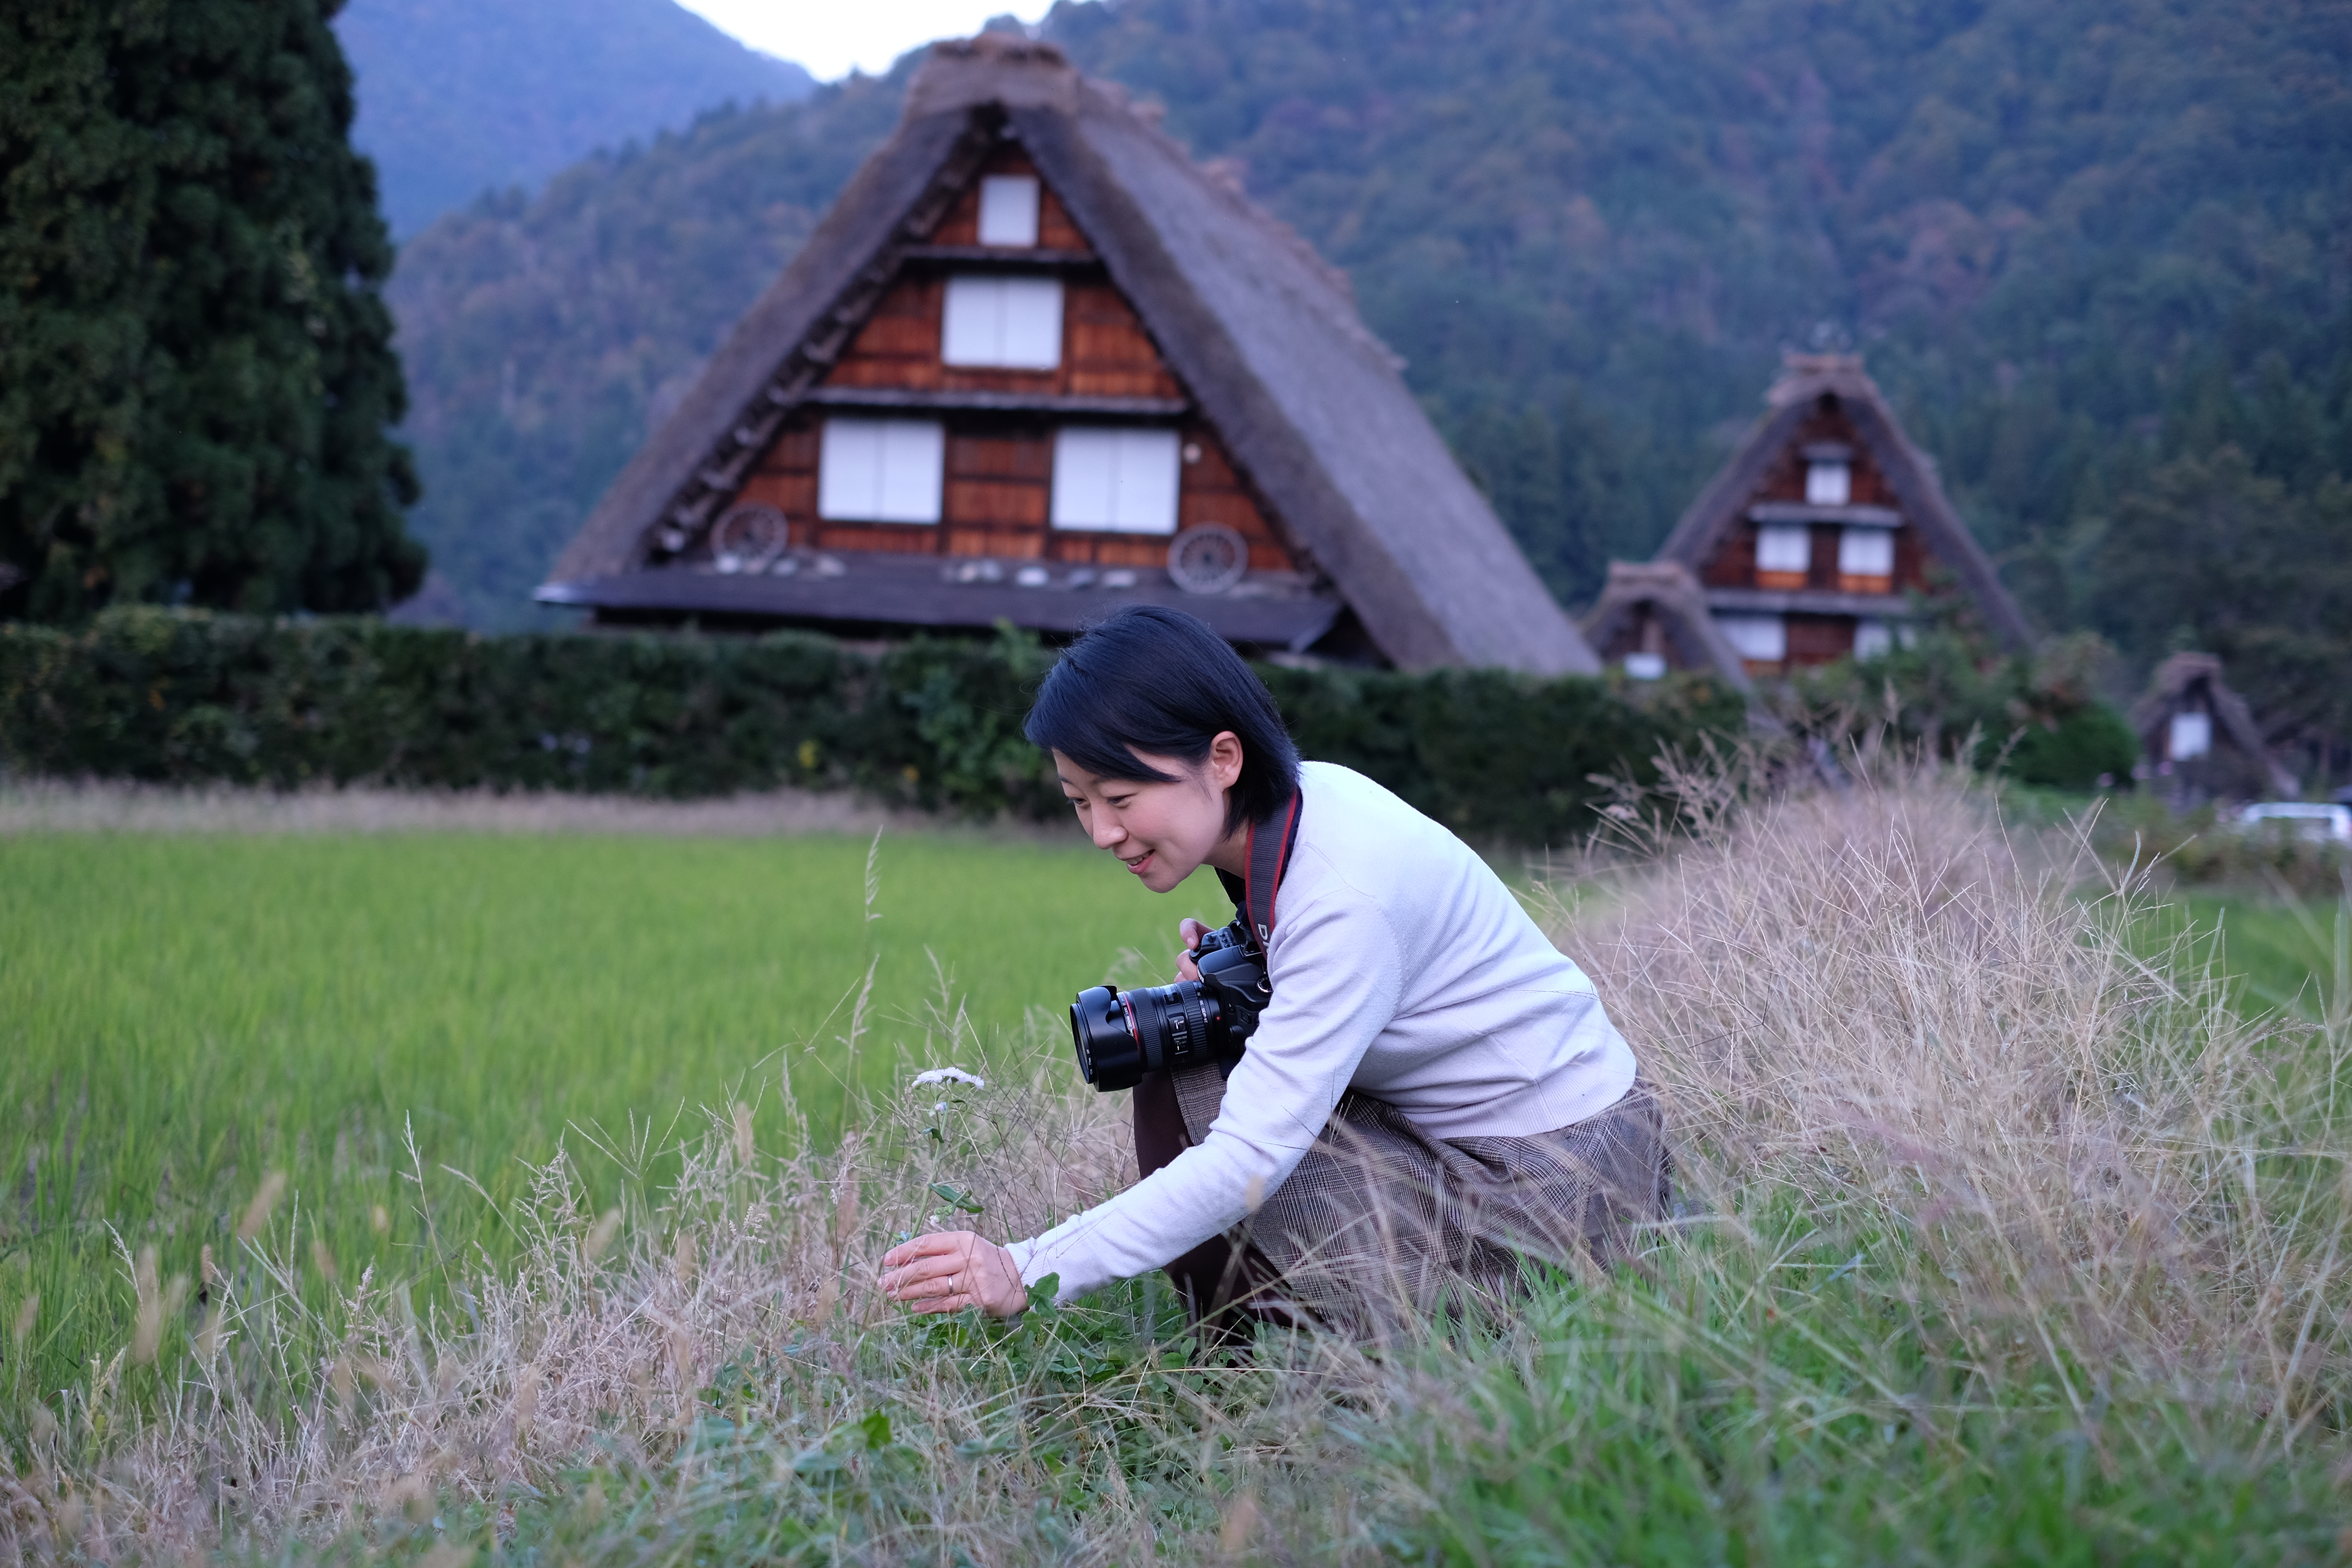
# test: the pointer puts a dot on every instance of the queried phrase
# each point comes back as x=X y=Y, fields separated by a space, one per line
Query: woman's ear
x=1225 y=760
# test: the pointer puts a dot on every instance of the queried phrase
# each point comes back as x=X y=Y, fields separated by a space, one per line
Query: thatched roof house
x=1653 y=617
x=2200 y=738
x=1809 y=544
x=1035 y=364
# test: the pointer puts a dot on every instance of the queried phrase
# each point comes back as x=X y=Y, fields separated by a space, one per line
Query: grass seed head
x=28 y=1317
x=1239 y=1525
x=526 y=1398
x=155 y=1305
x=743 y=1149
x=265 y=1198
x=600 y=1236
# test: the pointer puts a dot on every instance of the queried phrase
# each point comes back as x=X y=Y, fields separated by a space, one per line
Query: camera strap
x=1269 y=862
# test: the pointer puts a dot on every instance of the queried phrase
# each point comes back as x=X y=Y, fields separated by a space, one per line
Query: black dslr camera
x=1122 y=1035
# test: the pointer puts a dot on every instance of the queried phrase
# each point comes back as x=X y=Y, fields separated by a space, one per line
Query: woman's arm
x=946 y=1271
x=1338 y=985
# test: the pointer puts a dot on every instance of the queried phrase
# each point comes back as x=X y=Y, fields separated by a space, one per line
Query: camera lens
x=1110 y=1050
x=1120 y=1036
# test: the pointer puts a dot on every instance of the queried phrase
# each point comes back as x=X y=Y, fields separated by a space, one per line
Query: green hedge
x=190 y=698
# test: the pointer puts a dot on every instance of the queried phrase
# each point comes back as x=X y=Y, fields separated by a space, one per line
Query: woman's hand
x=1193 y=930
x=949 y=1271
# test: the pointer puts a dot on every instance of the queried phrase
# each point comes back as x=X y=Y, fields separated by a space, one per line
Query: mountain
x=456 y=99
x=2082 y=243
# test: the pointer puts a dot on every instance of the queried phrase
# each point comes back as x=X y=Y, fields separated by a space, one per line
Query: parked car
x=2304 y=819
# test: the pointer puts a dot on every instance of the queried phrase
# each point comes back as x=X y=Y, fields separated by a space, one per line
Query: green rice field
x=180 y=1015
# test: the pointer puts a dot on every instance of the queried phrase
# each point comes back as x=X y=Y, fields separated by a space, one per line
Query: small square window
x=1866 y=552
x=1828 y=484
x=1645 y=666
x=1008 y=210
x=2191 y=736
x=1120 y=481
x=1006 y=324
x=880 y=470
x=1784 y=547
x=1872 y=639
x=1759 y=639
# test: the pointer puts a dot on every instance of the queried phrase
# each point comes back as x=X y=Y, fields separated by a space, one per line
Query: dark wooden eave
x=996 y=402
x=965 y=257
x=1812 y=511
x=885 y=591
x=1809 y=601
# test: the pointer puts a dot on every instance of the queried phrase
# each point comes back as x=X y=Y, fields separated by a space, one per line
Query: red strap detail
x=1262 y=931
x=1282 y=864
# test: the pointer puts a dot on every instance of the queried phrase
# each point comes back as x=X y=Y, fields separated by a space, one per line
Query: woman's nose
x=1108 y=830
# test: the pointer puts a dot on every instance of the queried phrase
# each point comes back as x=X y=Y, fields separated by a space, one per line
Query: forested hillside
x=458 y=97
x=2099 y=253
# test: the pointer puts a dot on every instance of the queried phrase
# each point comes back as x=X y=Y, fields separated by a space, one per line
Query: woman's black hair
x=1157 y=680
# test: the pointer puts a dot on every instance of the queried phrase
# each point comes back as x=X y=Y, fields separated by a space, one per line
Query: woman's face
x=1163 y=832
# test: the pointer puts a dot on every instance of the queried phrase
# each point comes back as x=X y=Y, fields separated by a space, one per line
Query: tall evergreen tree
x=196 y=371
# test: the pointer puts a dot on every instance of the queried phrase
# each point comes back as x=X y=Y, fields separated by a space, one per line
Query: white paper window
x=1121 y=480
x=1866 y=552
x=1008 y=210
x=880 y=470
x=1828 y=484
x=1784 y=547
x=1872 y=638
x=2192 y=735
x=1764 y=638
x=1006 y=323
x=1645 y=666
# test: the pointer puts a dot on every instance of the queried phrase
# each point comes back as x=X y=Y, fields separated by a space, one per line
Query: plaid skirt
x=1383 y=1223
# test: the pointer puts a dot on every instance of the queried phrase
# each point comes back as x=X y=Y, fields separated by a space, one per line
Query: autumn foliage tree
x=196 y=371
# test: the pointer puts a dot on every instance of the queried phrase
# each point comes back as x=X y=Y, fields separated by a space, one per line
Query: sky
x=831 y=37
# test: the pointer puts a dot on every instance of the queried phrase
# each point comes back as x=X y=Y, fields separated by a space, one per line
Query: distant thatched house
x=2200 y=739
x=1809 y=544
x=1037 y=363
x=1653 y=617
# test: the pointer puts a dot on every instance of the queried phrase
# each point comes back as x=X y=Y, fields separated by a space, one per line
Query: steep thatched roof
x=1805 y=382
x=1666 y=591
x=1262 y=333
x=2193 y=680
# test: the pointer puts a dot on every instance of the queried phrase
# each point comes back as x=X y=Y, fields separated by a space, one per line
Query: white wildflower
x=948 y=1075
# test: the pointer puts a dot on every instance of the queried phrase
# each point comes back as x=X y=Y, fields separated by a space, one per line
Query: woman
x=1432 y=1093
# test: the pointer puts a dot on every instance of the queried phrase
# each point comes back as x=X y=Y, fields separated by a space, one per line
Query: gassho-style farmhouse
x=1037 y=363
x=1813 y=543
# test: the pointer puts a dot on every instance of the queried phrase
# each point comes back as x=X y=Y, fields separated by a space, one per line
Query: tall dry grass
x=1880 y=1016
x=1961 y=1169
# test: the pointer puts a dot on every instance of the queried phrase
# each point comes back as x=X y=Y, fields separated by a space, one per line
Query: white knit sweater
x=1401 y=967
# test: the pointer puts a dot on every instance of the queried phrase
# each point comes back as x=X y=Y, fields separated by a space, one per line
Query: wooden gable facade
x=1816 y=540
x=1015 y=376
x=999 y=425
